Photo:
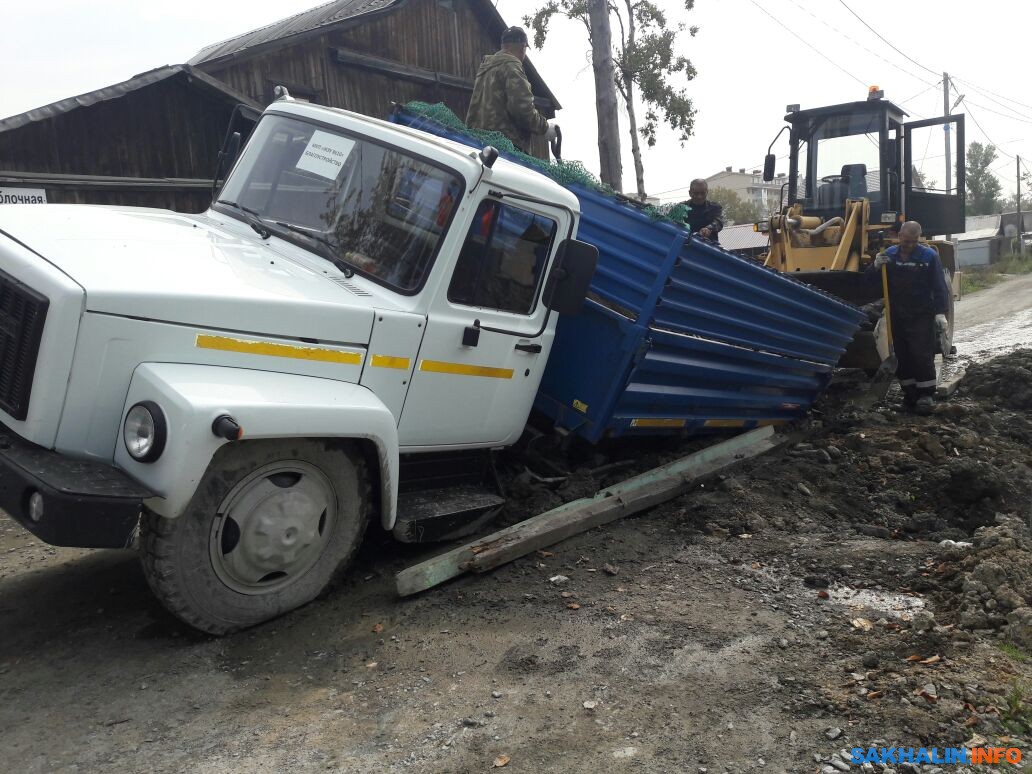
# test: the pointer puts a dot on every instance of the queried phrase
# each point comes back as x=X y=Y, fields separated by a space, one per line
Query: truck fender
x=266 y=405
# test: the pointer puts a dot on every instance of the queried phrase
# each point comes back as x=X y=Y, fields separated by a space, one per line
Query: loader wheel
x=271 y=524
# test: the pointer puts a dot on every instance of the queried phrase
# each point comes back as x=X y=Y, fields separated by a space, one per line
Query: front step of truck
x=443 y=514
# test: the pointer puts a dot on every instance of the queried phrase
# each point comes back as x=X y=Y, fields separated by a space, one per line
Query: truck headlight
x=145 y=431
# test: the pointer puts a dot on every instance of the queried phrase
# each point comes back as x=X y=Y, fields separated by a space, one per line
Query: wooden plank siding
x=420 y=34
x=167 y=130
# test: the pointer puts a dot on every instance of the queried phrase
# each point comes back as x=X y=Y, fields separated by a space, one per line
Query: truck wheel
x=271 y=524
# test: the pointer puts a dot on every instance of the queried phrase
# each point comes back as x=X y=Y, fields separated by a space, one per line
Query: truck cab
x=235 y=391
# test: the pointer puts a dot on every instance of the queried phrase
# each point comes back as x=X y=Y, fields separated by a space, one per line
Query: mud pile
x=1006 y=381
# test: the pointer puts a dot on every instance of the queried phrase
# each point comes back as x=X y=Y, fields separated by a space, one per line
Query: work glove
x=942 y=324
x=550 y=134
x=880 y=260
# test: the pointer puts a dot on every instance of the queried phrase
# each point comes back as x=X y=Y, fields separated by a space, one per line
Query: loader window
x=845 y=161
x=503 y=259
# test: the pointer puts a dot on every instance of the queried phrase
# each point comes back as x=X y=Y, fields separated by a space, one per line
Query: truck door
x=474 y=386
x=934 y=193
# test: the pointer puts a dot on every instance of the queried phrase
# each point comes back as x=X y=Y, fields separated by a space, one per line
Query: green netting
x=562 y=172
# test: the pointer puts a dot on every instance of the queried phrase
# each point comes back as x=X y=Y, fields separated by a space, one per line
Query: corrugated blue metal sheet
x=679 y=335
x=713 y=293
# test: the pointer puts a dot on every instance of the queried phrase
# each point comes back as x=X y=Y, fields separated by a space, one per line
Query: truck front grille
x=23 y=312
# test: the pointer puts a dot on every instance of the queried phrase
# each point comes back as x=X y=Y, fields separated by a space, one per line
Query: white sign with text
x=23 y=196
x=325 y=154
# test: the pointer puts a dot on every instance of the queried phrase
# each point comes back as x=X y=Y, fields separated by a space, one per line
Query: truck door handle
x=531 y=348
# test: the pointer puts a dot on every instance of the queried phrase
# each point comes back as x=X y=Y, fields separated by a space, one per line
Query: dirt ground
x=807 y=603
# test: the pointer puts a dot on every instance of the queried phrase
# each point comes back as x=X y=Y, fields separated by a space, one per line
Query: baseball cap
x=515 y=35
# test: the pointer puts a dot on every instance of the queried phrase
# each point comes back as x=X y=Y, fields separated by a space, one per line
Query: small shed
x=151 y=141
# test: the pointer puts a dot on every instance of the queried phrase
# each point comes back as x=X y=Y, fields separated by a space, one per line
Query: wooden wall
x=169 y=129
x=421 y=34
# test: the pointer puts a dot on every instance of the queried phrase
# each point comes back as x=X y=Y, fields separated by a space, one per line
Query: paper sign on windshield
x=325 y=154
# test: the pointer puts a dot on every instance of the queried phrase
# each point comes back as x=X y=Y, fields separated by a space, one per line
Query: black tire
x=191 y=562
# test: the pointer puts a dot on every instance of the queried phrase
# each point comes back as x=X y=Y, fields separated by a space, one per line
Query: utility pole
x=1021 y=222
x=610 y=164
x=946 y=133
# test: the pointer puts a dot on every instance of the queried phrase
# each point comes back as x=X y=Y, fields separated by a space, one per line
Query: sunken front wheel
x=269 y=527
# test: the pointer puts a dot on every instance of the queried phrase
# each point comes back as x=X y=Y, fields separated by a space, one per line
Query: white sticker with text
x=325 y=154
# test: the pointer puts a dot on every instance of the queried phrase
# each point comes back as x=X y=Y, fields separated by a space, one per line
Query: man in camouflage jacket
x=502 y=99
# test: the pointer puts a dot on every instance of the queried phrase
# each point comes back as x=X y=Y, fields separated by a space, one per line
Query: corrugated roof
x=981 y=222
x=121 y=89
x=980 y=233
x=742 y=237
x=320 y=16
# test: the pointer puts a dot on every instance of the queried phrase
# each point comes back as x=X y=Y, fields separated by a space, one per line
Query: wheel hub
x=273 y=527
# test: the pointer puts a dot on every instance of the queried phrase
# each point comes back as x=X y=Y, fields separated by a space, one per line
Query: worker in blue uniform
x=918 y=300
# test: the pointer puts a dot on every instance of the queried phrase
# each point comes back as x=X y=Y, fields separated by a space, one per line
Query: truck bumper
x=86 y=504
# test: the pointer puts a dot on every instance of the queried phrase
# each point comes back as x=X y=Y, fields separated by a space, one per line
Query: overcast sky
x=750 y=57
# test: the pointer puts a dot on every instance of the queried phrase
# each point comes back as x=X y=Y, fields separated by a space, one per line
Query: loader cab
x=866 y=150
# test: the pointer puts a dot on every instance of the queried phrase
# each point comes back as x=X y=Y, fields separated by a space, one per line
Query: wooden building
x=153 y=140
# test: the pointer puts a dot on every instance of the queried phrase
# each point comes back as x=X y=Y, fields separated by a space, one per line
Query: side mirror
x=568 y=282
x=768 y=168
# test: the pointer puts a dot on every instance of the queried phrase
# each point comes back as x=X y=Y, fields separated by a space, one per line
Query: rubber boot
x=924 y=406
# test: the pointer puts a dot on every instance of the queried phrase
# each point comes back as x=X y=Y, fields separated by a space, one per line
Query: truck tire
x=270 y=526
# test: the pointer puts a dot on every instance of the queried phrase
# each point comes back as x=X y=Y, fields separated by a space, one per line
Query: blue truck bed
x=678 y=335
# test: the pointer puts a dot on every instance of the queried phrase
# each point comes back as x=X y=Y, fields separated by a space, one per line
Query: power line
x=987 y=91
x=860 y=45
x=987 y=137
x=807 y=43
x=872 y=29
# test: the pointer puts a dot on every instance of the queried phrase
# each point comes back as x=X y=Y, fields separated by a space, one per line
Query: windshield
x=844 y=160
x=378 y=209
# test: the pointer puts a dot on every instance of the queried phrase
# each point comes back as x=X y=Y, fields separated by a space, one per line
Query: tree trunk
x=632 y=120
x=610 y=165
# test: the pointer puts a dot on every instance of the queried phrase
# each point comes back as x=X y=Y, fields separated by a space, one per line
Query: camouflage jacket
x=503 y=102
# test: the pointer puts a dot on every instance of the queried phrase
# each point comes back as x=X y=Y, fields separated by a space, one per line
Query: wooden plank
x=949 y=386
x=631 y=496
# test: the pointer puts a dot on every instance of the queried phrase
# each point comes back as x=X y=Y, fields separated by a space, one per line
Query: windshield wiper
x=330 y=253
x=255 y=221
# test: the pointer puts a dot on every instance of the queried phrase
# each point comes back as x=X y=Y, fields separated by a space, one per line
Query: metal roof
x=335 y=12
x=982 y=233
x=320 y=16
x=121 y=89
x=743 y=237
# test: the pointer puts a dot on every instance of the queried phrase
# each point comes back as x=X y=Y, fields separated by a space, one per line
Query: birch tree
x=649 y=73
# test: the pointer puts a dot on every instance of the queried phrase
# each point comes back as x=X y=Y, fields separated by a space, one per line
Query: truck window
x=383 y=211
x=502 y=259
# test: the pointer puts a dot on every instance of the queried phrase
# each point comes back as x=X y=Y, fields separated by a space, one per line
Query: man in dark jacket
x=918 y=301
x=704 y=217
x=502 y=99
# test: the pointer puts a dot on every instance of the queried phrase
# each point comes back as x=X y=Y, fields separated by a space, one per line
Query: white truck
x=235 y=391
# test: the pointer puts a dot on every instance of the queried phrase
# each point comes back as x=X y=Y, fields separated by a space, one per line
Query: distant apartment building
x=750 y=186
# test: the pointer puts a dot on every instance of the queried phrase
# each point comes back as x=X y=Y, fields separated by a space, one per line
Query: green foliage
x=983 y=187
x=645 y=58
x=985 y=277
x=736 y=209
x=1017 y=715
x=1014 y=651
